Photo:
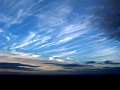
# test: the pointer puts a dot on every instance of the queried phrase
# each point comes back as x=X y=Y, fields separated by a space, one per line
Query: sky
x=61 y=30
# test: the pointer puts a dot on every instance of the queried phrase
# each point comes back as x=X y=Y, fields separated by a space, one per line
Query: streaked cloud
x=105 y=52
x=57 y=15
x=25 y=55
x=54 y=50
x=67 y=53
x=73 y=28
x=27 y=40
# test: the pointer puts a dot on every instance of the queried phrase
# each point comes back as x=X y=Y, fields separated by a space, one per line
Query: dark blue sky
x=60 y=30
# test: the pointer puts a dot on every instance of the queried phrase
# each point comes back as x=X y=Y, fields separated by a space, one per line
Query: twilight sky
x=62 y=30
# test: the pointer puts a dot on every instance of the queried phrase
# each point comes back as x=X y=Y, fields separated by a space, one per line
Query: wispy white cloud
x=27 y=40
x=44 y=45
x=67 y=53
x=72 y=31
x=1 y=30
x=19 y=9
x=31 y=6
x=19 y=14
x=73 y=28
x=15 y=19
x=70 y=37
x=54 y=50
x=57 y=15
x=65 y=40
x=105 y=52
x=4 y=18
x=8 y=38
x=25 y=55
x=43 y=40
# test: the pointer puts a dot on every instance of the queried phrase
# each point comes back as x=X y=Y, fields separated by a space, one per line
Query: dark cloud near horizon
x=90 y=62
x=16 y=66
x=70 y=65
x=107 y=18
x=110 y=62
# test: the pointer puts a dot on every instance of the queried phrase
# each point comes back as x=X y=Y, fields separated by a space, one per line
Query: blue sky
x=55 y=30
